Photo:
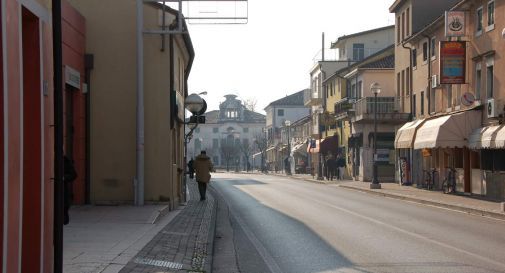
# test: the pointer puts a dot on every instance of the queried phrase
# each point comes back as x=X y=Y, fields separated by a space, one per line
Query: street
x=285 y=225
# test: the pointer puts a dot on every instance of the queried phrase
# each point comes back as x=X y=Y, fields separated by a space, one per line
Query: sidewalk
x=462 y=203
x=128 y=239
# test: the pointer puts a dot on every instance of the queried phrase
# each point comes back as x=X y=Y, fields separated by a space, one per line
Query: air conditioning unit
x=434 y=81
x=491 y=109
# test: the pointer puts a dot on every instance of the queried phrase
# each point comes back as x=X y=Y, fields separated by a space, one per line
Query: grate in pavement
x=158 y=263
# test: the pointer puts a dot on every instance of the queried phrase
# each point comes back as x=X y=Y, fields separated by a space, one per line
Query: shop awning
x=300 y=148
x=329 y=145
x=451 y=131
x=406 y=134
x=314 y=150
x=490 y=137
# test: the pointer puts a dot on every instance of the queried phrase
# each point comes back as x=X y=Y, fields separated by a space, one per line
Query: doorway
x=32 y=144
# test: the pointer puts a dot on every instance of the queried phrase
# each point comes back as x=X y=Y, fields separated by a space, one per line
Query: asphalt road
x=278 y=224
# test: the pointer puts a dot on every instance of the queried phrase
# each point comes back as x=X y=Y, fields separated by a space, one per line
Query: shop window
x=458 y=158
x=474 y=160
x=492 y=160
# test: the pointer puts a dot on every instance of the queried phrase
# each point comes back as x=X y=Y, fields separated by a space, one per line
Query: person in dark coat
x=341 y=167
x=191 y=168
x=69 y=175
x=331 y=167
x=203 y=167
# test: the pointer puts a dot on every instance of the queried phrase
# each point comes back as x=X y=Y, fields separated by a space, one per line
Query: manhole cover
x=158 y=263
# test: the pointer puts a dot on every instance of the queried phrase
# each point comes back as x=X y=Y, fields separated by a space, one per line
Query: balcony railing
x=388 y=108
x=384 y=105
x=343 y=108
x=312 y=98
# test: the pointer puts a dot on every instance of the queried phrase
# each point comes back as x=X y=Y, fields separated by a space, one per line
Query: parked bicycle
x=449 y=184
x=429 y=178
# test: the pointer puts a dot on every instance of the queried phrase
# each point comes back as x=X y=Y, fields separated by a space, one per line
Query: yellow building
x=116 y=146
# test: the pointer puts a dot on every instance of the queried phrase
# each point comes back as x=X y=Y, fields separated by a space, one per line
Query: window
x=403 y=83
x=478 y=18
x=197 y=130
x=398 y=40
x=425 y=51
x=422 y=102
x=358 y=52
x=215 y=160
x=280 y=112
x=398 y=85
x=359 y=91
x=245 y=143
x=478 y=80
x=403 y=26
x=414 y=104
x=449 y=95
x=215 y=143
x=353 y=91
x=490 y=15
x=215 y=130
x=407 y=22
x=246 y=130
x=433 y=48
x=414 y=58
x=408 y=81
x=490 y=76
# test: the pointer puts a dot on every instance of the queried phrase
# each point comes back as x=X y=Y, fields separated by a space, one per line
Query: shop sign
x=454 y=23
x=467 y=99
x=72 y=77
x=382 y=155
x=452 y=62
x=426 y=152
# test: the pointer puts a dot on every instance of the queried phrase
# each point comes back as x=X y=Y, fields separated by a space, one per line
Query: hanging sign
x=467 y=99
x=454 y=23
x=452 y=62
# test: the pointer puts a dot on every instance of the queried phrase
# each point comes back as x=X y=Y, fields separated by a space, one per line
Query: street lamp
x=376 y=89
x=197 y=106
x=288 y=163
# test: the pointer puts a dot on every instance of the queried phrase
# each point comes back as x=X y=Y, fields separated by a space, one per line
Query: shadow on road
x=283 y=243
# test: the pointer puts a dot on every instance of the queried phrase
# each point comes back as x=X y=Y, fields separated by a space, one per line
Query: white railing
x=384 y=105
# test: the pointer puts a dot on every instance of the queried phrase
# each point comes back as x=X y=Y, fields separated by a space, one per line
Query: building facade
x=290 y=108
x=119 y=152
x=229 y=135
x=455 y=123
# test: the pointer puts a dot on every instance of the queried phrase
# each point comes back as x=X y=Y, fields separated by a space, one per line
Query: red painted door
x=32 y=144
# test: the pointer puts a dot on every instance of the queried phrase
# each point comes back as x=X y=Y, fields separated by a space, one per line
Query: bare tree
x=229 y=151
x=247 y=149
x=250 y=104
x=261 y=145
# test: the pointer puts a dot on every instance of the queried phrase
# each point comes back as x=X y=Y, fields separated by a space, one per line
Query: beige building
x=452 y=121
x=111 y=35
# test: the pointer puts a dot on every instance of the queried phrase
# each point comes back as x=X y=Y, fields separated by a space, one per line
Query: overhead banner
x=452 y=62
x=454 y=23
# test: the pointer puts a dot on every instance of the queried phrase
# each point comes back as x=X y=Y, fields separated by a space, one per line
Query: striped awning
x=490 y=137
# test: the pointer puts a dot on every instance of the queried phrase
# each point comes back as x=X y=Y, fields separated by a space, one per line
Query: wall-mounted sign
x=72 y=77
x=426 y=152
x=454 y=23
x=452 y=62
x=467 y=99
x=382 y=155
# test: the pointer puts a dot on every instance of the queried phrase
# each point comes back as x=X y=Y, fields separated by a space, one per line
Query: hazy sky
x=270 y=57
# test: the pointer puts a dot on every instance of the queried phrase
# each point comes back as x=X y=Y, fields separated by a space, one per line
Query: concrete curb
x=212 y=234
x=160 y=213
x=460 y=208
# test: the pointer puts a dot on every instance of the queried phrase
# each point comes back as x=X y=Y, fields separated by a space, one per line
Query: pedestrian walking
x=69 y=175
x=203 y=166
x=331 y=166
x=191 y=168
x=341 y=166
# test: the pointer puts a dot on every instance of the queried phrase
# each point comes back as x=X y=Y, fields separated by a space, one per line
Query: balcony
x=344 y=109
x=388 y=110
x=312 y=98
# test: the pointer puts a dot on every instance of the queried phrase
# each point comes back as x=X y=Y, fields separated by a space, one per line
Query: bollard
x=503 y=206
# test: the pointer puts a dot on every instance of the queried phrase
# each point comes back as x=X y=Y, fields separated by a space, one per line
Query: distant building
x=278 y=112
x=228 y=135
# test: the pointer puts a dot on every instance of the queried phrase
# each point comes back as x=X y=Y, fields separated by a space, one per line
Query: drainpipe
x=88 y=66
x=58 y=137
x=139 y=179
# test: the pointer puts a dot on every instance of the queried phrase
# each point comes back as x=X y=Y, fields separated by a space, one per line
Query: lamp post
x=288 y=163
x=376 y=89
x=197 y=106
x=264 y=152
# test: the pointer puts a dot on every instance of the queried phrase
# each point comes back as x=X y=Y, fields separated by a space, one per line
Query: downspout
x=429 y=74
x=58 y=137
x=88 y=66
x=139 y=179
